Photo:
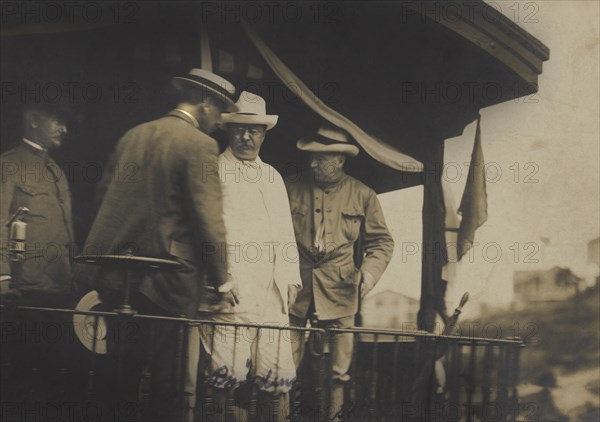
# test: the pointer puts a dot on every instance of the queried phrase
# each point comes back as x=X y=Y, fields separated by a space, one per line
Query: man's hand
x=229 y=293
x=292 y=294
x=368 y=282
x=5 y=281
x=7 y=293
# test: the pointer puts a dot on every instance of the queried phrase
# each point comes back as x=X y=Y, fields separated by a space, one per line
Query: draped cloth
x=376 y=148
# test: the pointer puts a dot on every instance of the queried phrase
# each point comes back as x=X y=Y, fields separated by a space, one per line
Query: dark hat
x=58 y=109
x=209 y=82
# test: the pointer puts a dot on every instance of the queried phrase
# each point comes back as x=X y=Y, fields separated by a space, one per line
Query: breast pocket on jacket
x=34 y=198
x=351 y=221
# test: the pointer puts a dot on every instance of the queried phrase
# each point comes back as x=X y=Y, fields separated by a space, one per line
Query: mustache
x=242 y=144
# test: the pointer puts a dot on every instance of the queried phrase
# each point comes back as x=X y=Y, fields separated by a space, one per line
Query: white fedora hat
x=210 y=82
x=252 y=110
x=328 y=139
x=85 y=326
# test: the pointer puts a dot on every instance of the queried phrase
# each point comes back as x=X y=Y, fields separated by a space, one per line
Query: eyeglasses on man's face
x=252 y=131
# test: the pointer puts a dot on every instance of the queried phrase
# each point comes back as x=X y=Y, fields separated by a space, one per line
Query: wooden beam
x=433 y=235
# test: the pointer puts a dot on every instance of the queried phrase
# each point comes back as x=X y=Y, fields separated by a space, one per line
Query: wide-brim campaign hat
x=252 y=110
x=210 y=82
x=86 y=328
x=328 y=139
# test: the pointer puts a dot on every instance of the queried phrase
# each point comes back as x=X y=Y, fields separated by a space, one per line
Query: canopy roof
x=409 y=73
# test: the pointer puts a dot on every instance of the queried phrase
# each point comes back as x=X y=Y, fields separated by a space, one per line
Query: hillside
x=560 y=365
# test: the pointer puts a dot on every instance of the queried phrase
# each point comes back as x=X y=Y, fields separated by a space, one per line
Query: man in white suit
x=263 y=270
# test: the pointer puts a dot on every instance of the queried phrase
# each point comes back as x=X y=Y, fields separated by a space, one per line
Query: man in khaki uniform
x=31 y=178
x=331 y=211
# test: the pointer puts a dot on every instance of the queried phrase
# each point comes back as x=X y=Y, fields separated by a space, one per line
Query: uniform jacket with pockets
x=30 y=178
x=350 y=211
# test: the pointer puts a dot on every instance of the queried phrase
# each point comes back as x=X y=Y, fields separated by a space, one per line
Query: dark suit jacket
x=30 y=178
x=162 y=200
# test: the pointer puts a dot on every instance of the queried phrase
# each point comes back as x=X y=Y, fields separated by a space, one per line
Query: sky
x=543 y=160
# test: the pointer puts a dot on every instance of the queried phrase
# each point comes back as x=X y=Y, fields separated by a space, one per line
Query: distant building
x=593 y=250
x=389 y=309
x=550 y=285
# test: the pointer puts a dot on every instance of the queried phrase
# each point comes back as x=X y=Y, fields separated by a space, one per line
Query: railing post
x=181 y=365
x=486 y=390
x=373 y=414
x=394 y=393
x=455 y=366
x=502 y=387
x=325 y=382
x=230 y=405
x=471 y=378
x=353 y=369
x=253 y=407
x=91 y=374
x=296 y=391
x=513 y=401
x=209 y=411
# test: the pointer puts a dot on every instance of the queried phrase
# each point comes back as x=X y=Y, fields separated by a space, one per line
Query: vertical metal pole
x=295 y=390
x=326 y=373
x=515 y=378
x=454 y=366
x=373 y=411
x=486 y=378
x=353 y=368
x=396 y=357
x=125 y=308
x=414 y=394
x=146 y=381
x=503 y=374
x=472 y=377
x=230 y=398
x=433 y=234
x=229 y=405
x=92 y=371
x=253 y=408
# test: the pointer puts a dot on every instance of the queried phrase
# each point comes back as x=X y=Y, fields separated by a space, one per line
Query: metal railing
x=395 y=375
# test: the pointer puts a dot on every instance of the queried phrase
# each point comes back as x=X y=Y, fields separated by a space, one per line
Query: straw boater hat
x=210 y=82
x=86 y=328
x=252 y=110
x=328 y=139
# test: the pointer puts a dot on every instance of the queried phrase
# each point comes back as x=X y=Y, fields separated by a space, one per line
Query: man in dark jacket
x=167 y=205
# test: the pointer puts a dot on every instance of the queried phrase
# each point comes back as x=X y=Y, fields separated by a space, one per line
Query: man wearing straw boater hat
x=331 y=212
x=170 y=208
x=263 y=269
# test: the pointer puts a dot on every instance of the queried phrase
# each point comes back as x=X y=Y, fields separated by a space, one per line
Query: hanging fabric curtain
x=205 y=57
x=376 y=148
